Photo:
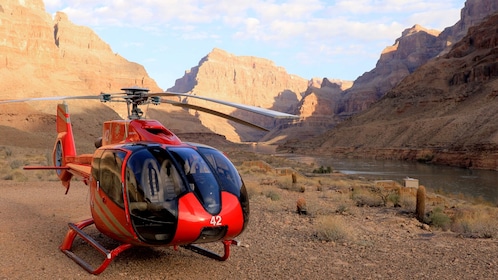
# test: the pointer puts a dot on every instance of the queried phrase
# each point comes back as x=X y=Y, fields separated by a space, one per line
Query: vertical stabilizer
x=65 y=148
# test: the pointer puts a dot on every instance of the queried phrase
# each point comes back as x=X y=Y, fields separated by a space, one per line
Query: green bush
x=323 y=170
x=272 y=195
x=439 y=219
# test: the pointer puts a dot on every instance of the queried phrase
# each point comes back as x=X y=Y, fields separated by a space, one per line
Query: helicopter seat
x=140 y=206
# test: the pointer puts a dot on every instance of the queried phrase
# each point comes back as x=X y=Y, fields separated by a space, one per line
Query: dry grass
x=333 y=228
x=477 y=221
x=13 y=159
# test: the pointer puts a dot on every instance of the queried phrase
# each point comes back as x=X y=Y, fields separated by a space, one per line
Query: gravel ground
x=384 y=243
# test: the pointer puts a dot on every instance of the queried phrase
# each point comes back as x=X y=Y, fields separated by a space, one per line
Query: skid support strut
x=77 y=230
x=211 y=254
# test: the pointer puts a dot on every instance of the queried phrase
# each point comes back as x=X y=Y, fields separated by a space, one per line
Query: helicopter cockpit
x=156 y=177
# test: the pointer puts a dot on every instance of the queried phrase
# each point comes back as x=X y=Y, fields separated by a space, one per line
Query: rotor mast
x=135 y=96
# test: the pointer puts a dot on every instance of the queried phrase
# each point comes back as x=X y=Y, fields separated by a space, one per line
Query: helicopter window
x=111 y=163
x=96 y=164
x=153 y=177
x=227 y=173
x=200 y=177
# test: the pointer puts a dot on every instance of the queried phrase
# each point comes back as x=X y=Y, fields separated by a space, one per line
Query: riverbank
x=481 y=157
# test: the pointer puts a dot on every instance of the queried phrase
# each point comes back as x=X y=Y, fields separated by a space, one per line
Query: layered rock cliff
x=242 y=79
x=442 y=113
x=44 y=56
x=416 y=46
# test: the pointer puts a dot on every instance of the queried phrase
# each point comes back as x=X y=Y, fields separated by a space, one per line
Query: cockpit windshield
x=227 y=173
x=157 y=178
x=200 y=177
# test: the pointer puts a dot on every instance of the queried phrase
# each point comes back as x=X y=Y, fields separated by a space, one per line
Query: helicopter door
x=107 y=202
x=153 y=185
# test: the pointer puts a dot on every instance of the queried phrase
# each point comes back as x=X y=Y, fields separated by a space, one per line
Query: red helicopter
x=147 y=187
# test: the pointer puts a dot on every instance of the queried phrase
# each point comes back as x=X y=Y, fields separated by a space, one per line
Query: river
x=436 y=178
x=469 y=182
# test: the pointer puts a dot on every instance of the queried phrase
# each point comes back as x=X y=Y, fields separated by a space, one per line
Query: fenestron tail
x=66 y=162
x=65 y=148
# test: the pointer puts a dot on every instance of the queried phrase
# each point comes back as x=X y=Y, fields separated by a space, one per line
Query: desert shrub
x=364 y=197
x=374 y=196
x=253 y=189
x=19 y=176
x=342 y=209
x=332 y=228
x=475 y=222
x=5 y=152
x=394 y=198
x=16 y=163
x=387 y=195
x=438 y=219
x=323 y=170
x=316 y=206
x=340 y=184
x=272 y=195
x=285 y=183
x=408 y=202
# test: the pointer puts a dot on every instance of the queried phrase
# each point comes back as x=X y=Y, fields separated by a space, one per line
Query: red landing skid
x=77 y=230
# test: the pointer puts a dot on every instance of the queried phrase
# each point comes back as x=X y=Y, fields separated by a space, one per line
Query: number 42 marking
x=215 y=220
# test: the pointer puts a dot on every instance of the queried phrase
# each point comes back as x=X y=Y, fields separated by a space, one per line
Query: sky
x=310 y=38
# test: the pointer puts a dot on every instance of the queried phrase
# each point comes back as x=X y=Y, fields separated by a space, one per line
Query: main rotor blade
x=212 y=112
x=52 y=98
x=253 y=109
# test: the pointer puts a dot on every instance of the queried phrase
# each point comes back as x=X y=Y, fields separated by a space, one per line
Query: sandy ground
x=278 y=244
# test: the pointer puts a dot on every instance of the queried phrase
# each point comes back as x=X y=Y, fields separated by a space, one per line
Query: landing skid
x=211 y=254
x=77 y=230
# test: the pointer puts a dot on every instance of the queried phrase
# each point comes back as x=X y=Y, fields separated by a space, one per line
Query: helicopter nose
x=196 y=225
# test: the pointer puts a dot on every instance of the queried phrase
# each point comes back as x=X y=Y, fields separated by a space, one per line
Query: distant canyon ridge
x=430 y=96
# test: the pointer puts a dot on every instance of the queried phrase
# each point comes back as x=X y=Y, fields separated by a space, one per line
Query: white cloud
x=265 y=20
x=323 y=29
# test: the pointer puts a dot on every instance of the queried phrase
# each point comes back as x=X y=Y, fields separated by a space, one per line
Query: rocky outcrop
x=52 y=56
x=473 y=13
x=44 y=56
x=317 y=111
x=442 y=113
x=322 y=100
x=242 y=79
x=414 y=48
